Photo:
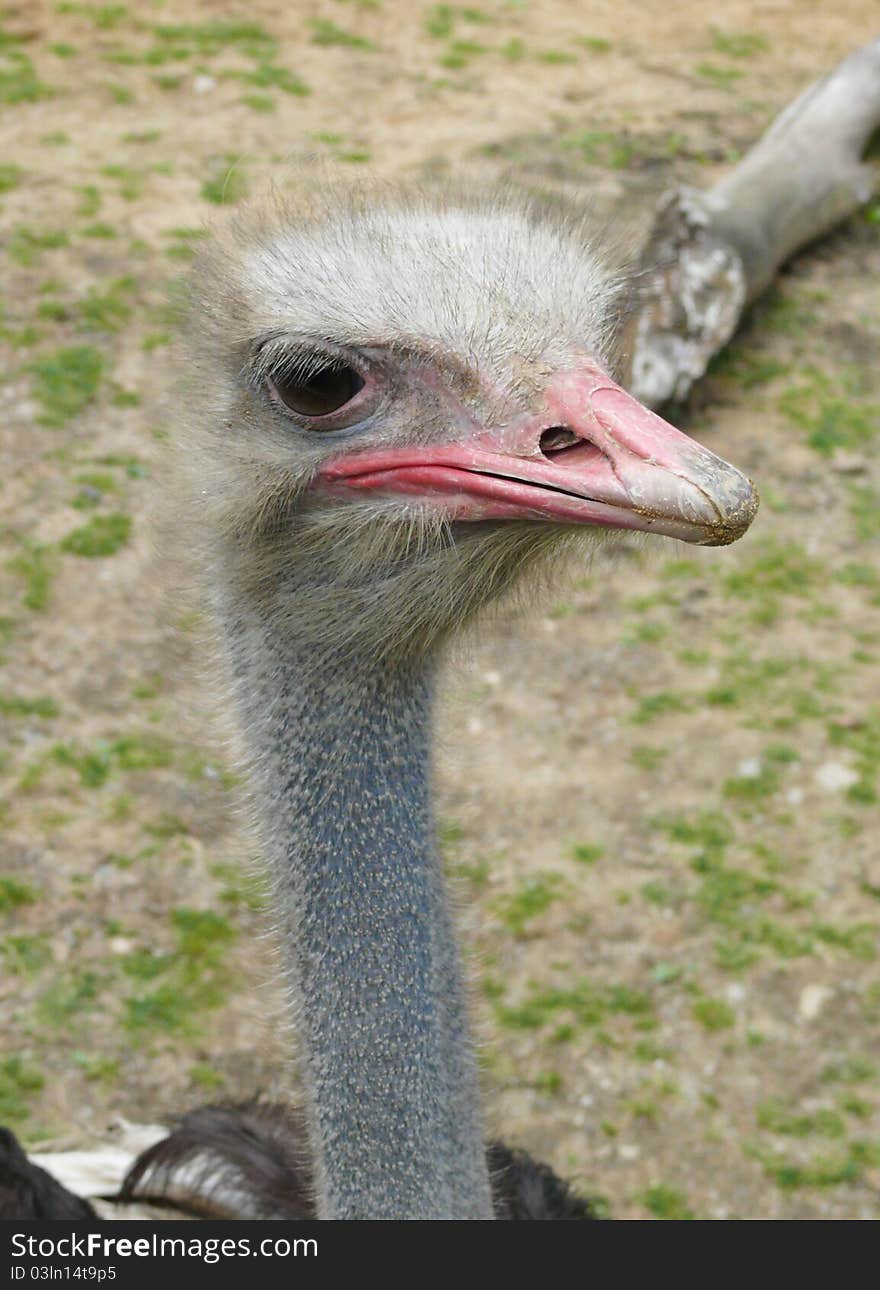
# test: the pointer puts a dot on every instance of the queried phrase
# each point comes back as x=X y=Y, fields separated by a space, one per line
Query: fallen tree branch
x=711 y=253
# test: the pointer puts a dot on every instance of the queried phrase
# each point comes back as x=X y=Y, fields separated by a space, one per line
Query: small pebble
x=834 y=776
x=812 y=1001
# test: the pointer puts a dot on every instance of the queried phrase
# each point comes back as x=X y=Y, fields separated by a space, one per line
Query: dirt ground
x=658 y=791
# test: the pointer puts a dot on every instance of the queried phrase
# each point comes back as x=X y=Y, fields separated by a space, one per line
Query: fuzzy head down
x=456 y=311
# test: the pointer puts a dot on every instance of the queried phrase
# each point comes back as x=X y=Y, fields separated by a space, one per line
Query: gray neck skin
x=343 y=760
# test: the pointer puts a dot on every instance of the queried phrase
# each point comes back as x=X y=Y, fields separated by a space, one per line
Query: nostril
x=557 y=438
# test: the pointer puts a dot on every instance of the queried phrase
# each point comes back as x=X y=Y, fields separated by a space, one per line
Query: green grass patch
x=104 y=17
x=68 y=997
x=192 y=977
x=19 y=82
x=15 y=894
x=713 y=1014
x=785 y=942
x=775 y=692
x=733 y=955
x=772 y=570
x=721 y=77
x=647 y=757
x=94 y=486
x=832 y=412
x=226 y=185
x=107 y=310
x=210 y=38
x=555 y=57
x=459 y=53
x=96 y=1067
x=99 y=230
x=121 y=93
x=26 y=245
x=658 y=893
x=864 y=507
x=440 y=21
x=601 y=148
x=103 y=535
x=263 y=103
x=863 y=739
x=588 y=853
x=19 y=1081
x=129 y=182
x=742 y=366
x=204 y=1076
x=133 y=466
x=775 y=1116
x=25 y=955
x=649 y=707
x=95 y=765
x=240 y=888
x=326 y=32
x=743 y=44
x=141 y=752
x=92 y=766
x=90 y=200
x=474 y=872
x=269 y=75
x=709 y=831
x=852 y=1068
x=15 y=705
x=859 y=940
x=533 y=897
x=513 y=50
x=585 y=1004
x=35 y=564
x=752 y=788
x=831 y=1170
x=666 y=1202
x=65 y=382
x=10 y=176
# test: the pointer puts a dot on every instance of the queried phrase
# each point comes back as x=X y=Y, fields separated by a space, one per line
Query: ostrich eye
x=318 y=394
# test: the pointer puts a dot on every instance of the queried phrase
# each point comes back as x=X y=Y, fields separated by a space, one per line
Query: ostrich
x=395 y=412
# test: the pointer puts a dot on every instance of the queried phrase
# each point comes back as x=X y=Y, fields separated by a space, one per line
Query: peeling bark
x=710 y=254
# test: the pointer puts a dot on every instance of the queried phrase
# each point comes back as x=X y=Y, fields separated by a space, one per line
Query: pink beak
x=594 y=456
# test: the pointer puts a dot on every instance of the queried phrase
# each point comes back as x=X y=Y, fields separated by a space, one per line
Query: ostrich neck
x=342 y=753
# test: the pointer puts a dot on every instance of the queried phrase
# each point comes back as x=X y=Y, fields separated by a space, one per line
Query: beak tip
x=736 y=517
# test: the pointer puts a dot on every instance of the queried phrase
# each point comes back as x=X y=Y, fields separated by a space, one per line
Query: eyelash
x=292 y=363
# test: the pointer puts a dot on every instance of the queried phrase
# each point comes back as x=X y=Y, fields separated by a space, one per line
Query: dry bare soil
x=659 y=791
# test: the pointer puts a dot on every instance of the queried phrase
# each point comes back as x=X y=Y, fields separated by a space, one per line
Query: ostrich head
x=398 y=408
